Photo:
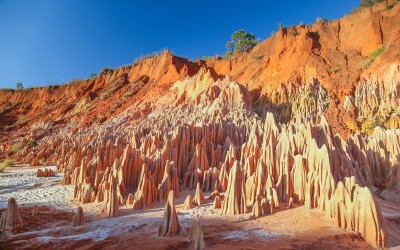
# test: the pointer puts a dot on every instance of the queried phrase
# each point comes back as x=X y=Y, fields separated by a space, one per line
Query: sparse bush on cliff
x=104 y=96
x=367 y=62
x=369 y=3
x=150 y=55
x=206 y=58
x=32 y=143
x=293 y=31
x=15 y=148
x=334 y=69
x=6 y=164
x=321 y=20
x=240 y=41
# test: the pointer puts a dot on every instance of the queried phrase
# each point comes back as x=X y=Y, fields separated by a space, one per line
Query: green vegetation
x=19 y=85
x=369 y=125
x=206 y=58
x=368 y=3
x=93 y=75
x=32 y=143
x=103 y=96
x=127 y=95
x=366 y=63
x=6 y=164
x=7 y=89
x=241 y=41
x=334 y=69
x=15 y=148
x=293 y=31
x=321 y=20
x=150 y=55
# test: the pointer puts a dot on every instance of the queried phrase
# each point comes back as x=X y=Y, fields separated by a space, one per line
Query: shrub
x=367 y=62
x=321 y=20
x=206 y=58
x=334 y=69
x=93 y=75
x=15 y=148
x=377 y=52
x=368 y=3
x=32 y=143
x=126 y=95
x=150 y=55
x=103 y=96
x=227 y=55
x=241 y=41
x=293 y=31
x=6 y=164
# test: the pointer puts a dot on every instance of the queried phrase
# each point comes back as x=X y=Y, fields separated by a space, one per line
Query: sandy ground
x=296 y=228
x=21 y=183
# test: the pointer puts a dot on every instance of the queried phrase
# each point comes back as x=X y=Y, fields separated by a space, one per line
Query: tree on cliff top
x=368 y=3
x=19 y=85
x=241 y=41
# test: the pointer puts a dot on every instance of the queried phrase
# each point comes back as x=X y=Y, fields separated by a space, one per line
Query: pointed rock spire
x=170 y=224
x=10 y=220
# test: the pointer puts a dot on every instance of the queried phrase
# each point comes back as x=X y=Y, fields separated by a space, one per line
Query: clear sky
x=46 y=42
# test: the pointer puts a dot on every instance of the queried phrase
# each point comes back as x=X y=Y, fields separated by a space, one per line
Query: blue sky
x=46 y=42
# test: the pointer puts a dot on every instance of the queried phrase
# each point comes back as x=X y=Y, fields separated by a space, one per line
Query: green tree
x=369 y=3
x=19 y=85
x=241 y=41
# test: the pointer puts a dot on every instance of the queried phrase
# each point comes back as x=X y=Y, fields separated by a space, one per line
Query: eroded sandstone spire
x=170 y=224
x=10 y=220
x=196 y=235
x=235 y=197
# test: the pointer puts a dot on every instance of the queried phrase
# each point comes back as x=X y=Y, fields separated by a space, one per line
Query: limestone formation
x=217 y=202
x=10 y=220
x=46 y=173
x=291 y=205
x=257 y=210
x=196 y=235
x=355 y=208
x=35 y=210
x=35 y=162
x=78 y=217
x=147 y=192
x=170 y=224
x=188 y=204
x=235 y=198
x=198 y=197
x=111 y=203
